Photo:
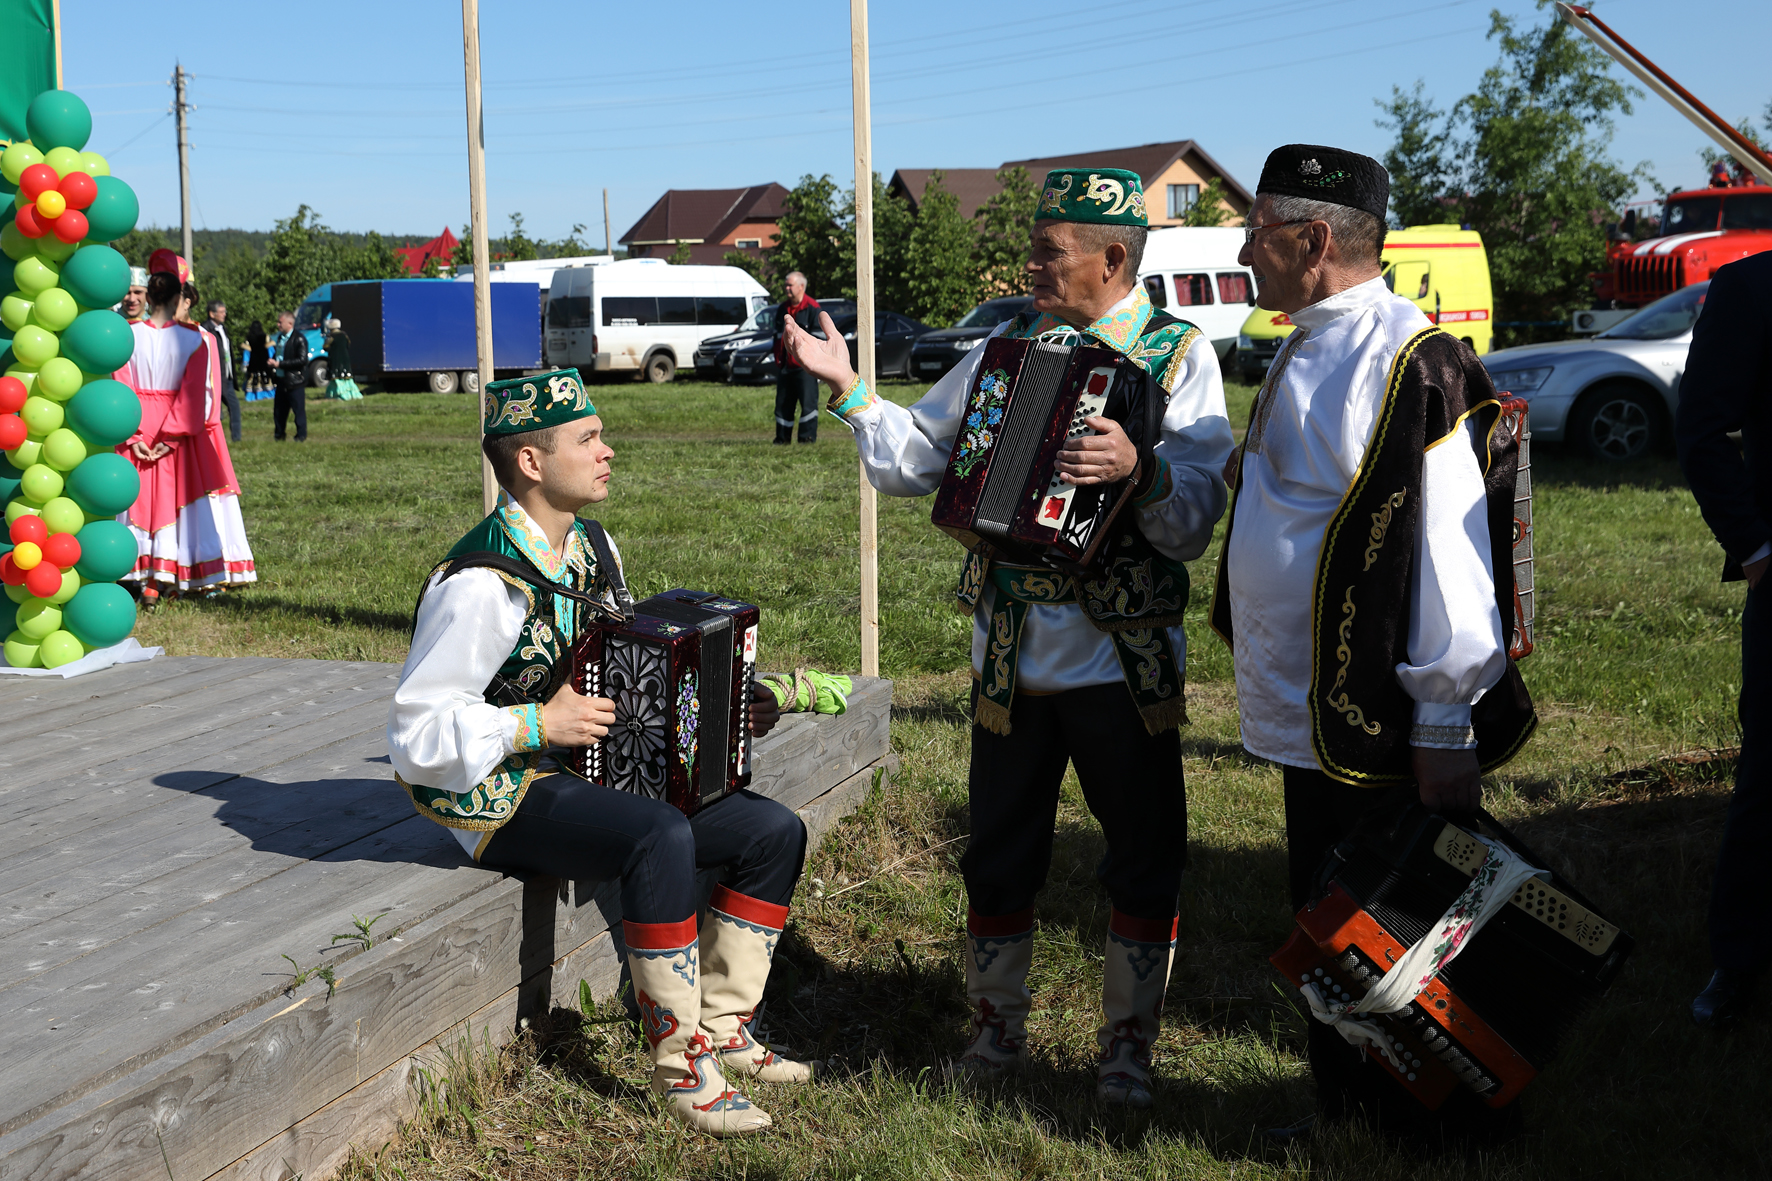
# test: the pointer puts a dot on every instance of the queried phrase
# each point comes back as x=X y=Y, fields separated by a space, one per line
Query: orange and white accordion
x=1027 y=400
x=1493 y=1016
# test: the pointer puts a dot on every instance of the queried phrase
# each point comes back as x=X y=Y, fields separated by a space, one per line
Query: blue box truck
x=425 y=328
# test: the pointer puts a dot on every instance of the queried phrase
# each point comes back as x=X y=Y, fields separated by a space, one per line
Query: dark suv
x=894 y=335
x=939 y=351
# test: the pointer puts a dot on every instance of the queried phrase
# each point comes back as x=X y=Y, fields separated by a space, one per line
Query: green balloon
x=71 y=584
x=18 y=158
x=98 y=342
x=54 y=309
x=42 y=415
x=63 y=160
x=34 y=345
x=34 y=274
x=62 y=515
x=58 y=119
x=107 y=551
x=97 y=276
x=21 y=651
x=105 y=411
x=53 y=248
x=100 y=614
x=38 y=618
x=13 y=244
x=17 y=595
x=59 y=379
x=64 y=450
x=94 y=165
x=105 y=484
x=9 y=480
x=15 y=310
x=42 y=483
x=7 y=283
x=113 y=212
x=59 y=648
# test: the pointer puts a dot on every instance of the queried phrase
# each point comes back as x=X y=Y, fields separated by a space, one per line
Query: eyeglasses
x=1249 y=232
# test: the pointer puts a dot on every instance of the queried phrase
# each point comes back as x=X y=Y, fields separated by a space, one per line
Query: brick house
x=711 y=221
x=1172 y=173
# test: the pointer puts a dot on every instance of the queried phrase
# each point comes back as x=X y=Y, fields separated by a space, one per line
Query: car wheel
x=444 y=381
x=660 y=369
x=319 y=373
x=1614 y=423
x=469 y=381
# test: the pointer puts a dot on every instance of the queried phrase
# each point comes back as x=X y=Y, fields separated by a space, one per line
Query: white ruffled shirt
x=1306 y=454
x=905 y=453
x=442 y=732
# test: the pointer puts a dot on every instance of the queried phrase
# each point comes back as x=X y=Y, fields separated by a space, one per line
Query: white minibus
x=643 y=314
x=1191 y=272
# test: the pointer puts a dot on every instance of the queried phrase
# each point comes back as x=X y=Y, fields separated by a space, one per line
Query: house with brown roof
x=711 y=222
x=1173 y=175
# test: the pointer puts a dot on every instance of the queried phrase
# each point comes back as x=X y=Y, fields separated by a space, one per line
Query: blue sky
x=357 y=109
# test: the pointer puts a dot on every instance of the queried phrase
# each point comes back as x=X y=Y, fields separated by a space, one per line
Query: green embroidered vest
x=1136 y=593
x=529 y=675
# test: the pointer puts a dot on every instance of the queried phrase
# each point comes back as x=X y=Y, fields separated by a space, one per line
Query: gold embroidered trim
x=1381 y=523
x=1459 y=736
x=1344 y=652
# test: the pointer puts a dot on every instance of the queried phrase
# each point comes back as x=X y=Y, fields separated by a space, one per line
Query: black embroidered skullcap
x=1327 y=174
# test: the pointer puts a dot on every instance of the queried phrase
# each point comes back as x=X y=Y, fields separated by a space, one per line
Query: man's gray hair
x=216 y=303
x=792 y=275
x=1357 y=234
x=1096 y=237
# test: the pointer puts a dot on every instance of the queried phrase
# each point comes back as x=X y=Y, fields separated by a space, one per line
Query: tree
x=814 y=237
x=1712 y=155
x=1003 y=226
x=1523 y=161
x=680 y=256
x=1210 y=209
x=941 y=274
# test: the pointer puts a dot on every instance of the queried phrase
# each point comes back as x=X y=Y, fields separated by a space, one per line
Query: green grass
x=1634 y=679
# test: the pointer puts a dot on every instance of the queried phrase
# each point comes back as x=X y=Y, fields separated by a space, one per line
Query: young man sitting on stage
x=484 y=697
x=1084 y=671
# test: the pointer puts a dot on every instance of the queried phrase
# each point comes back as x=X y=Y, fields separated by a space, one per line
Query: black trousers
x=1319 y=812
x=231 y=400
x=1132 y=782
x=290 y=397
x=1737 y=902
x=567 y=828
x=796 y=393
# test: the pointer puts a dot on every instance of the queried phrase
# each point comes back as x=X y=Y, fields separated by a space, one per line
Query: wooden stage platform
x=172 y=829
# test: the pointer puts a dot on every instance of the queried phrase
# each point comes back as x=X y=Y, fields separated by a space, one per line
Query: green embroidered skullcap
x=521 y=404
x=1103 y=196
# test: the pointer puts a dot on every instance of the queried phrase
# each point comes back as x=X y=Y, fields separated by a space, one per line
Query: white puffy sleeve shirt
x=905 y=453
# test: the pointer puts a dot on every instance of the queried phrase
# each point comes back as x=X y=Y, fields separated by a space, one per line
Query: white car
x=1611 y=396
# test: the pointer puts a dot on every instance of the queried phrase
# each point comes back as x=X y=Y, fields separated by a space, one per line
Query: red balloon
x=80 y=190
x=11 y=575
x=12 y=431
x=28 y=223
x=43 y=580
x=29 y=527
x=62 y=549
x=37 y=180
x=12 y=396
x=71 y=226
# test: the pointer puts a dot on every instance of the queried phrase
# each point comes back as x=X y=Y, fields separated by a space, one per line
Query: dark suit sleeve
x=1725 y=375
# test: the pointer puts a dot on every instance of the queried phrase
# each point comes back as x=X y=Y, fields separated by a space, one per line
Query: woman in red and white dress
x=186 y=521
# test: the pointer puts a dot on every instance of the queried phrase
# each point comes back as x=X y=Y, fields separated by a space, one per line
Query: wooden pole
x=864 y=325
x=184 y=160
x=56 y=16
x=607 y=247
x=470 y=39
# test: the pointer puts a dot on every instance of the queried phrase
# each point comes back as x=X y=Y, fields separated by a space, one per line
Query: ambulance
x=1442 y=269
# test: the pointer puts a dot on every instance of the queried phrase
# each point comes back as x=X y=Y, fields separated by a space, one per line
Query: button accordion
x=1028 y=399
x=679 y=672
x=1496 y=1013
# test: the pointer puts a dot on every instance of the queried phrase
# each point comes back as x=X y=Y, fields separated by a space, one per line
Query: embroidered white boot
x=686 y=1074
x=735 y=956
x=999 y=952
x=1135 y=975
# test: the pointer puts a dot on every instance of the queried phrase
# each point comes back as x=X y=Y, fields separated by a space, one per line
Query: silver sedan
x=1612 y=397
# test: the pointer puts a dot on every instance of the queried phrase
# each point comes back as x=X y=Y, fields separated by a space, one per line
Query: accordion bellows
x=1028 y=399
x=1496 y=1014
x=680 y=674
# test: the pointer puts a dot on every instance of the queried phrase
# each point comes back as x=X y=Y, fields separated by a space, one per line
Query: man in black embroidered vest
x=482 y=700
x=1367 y=565
x=1084 y=671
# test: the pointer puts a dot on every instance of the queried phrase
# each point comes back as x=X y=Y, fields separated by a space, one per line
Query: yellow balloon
x=51 y=204
x=27 y=555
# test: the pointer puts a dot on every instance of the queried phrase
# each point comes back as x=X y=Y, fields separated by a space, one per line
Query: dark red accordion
x=1028 y=398
x=1494 y=1016
x=680 y=675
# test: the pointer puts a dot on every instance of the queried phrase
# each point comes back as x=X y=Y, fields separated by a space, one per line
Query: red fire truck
x=1701 y=229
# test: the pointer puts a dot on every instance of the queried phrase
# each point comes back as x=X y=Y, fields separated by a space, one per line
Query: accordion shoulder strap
x=618 y=583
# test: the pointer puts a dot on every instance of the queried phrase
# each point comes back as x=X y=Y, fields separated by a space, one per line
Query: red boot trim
x=750 y=910
x=658 y=936
x=998 y=926
x=1144 y=930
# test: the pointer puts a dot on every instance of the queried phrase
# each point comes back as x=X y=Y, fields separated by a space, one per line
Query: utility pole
x=864 y=323
x=179 y=107
x=606 y=247
x=470 y=42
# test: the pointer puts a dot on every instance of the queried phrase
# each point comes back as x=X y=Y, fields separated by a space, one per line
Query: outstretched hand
x=827 y=359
